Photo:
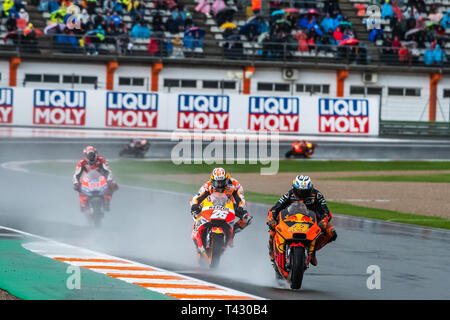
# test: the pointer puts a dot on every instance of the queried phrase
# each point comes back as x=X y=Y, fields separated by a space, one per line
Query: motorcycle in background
x=301 y=150
x=135 y=148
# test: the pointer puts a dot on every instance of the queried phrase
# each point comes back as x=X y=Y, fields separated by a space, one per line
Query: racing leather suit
x=101 y=165
x=315 y=202
x=234 y=191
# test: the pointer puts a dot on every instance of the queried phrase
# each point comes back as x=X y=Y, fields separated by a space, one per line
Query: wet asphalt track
x=154 y=227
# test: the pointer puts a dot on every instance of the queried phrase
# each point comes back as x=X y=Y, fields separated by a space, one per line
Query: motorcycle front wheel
x=297 y=259
x=217 y=242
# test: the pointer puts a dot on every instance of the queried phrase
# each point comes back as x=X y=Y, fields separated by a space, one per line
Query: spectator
x=338 y=36
x=11 y=23
x=23 y=14
x=140 y=31
x=428 y=56
x=177 y=47
x=7 y=6
x=327 y=23
x=403 y=55
x=116 y=18
x=438 y=55
x=435 y=15
x=386 y=11
x=446 y=20
x=85 y=19
x=91 y=5
x=204 y=7
x=153 y=47
x=396 y=44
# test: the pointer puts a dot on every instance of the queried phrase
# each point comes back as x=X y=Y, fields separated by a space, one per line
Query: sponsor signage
x=131 y=110
x=203 y=112
x=6 y=105
x=274 y=114
x=344 y=116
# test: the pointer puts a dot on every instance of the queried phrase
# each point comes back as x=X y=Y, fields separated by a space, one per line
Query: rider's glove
x=195 y=209
x=271 y=222
x=240 y=212
x=76 y=186
x=245 y=220
x=323 y=223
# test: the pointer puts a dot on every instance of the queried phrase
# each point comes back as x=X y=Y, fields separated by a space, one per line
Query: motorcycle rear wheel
x=297 y=260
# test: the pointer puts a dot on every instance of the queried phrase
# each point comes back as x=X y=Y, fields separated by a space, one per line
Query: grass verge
x=129 y=172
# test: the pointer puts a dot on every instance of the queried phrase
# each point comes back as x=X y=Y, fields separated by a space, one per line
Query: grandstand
x=295 y=36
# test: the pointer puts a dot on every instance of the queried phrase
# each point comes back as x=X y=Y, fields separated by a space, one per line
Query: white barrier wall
x=169 y=111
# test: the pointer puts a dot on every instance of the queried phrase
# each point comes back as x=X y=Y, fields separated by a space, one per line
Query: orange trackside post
x=14 y=64
x=341 y=75
x=110 y=69
x=247 y=80
x=156 y=69
x=434 y=80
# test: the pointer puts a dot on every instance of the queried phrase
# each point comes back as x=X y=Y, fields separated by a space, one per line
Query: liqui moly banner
x=100 y=109
x=274 y=114
x=344 y=116
x=131 y=110
x=59 y=107
x=203 y=112
x=6 y=105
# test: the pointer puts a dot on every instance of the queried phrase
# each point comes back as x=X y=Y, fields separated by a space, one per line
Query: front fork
x=310 y=252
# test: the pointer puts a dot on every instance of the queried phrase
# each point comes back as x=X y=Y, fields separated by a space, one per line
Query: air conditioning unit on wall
x=290 y=74
x=369 y=77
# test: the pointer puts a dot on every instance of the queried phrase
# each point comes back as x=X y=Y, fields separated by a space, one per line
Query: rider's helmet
x=302 y=186
x=219 y=179
x=91 y=154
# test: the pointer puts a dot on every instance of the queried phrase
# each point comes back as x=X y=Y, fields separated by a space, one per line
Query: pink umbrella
x=350 y=41
x=291 y=10
x=312 y=11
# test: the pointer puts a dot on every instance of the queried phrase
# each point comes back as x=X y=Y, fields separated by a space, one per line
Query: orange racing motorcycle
x=214 y=228
x=293 y=243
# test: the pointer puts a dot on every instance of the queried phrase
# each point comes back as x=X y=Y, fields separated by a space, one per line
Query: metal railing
x=234 y=50
x=414 y=128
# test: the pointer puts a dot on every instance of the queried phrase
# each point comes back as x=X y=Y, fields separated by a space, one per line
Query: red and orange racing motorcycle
x=214 y=227
x=293 y=243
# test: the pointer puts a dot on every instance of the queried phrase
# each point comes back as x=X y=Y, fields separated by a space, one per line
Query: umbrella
x=277 y=12
x=21 y=23
x=345 y=24
x=52 y=27
x=312 y=11
x=412 y=31
x=256 y=16
x=281 y=21
x=227 y=25
x=432 y=24
x=291 y=10
x=350 y=41
x=200 y=31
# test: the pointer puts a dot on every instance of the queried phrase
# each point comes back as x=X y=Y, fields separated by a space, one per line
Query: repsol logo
x=203 y=112
x=274 y=114
x=59 y=107
x=131 y=109
x=344 y=115
x=6 y=105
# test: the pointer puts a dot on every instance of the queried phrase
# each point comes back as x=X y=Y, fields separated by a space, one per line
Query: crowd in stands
x=412 y=26
x=18 y=26
x=410 y=29
x=287 y=30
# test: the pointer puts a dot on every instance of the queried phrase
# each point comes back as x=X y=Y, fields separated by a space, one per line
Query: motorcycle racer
x=221 y=181
x=302 y=190
x=93 y=161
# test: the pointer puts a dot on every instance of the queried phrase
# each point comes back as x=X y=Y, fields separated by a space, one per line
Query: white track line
x=54 y=249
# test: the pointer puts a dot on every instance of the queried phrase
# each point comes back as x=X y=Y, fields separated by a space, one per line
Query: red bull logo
x=131 y=110
x=59 y=107
x=344 y=116
x=6 y=105
x=274 y=114
x=203 y=112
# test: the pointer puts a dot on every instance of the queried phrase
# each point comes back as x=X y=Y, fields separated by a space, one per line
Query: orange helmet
x=219 y=179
